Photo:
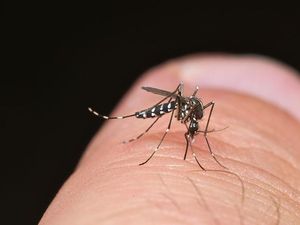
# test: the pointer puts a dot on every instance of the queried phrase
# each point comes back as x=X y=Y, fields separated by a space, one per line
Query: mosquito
x=188 y=110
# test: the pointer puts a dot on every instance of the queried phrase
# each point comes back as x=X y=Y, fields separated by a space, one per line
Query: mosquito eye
x=199 y=113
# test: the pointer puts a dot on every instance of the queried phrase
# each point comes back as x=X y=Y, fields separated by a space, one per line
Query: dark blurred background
x=59 y=59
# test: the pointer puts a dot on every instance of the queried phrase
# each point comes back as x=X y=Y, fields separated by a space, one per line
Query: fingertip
x=110 y=187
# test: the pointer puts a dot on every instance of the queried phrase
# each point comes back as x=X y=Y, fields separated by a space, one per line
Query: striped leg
x=109 y=117
x=142 y=134
x=187 y=141
x=163 y=137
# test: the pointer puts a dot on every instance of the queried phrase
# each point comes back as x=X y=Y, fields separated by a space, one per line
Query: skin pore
x=260 y=147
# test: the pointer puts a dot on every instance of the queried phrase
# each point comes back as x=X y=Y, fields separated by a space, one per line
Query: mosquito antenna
x=195 y=92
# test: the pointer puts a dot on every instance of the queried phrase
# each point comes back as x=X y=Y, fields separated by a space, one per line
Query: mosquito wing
x=159 y=92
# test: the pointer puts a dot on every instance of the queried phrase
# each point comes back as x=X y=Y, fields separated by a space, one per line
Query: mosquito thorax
x=198 y=110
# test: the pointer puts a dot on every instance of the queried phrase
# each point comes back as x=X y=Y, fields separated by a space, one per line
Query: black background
x=59 y=59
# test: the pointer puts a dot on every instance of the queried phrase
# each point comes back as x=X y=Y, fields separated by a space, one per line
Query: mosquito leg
x=142 y=134
x=109 y=117
x=212 y=154
x=163 y=137
x=187 y=146
x=211 y=105
x=188 y=142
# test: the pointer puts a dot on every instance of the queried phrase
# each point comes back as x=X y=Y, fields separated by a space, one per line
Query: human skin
x=257 y=98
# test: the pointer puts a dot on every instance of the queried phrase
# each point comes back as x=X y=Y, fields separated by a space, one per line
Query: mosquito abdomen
x=158 y=110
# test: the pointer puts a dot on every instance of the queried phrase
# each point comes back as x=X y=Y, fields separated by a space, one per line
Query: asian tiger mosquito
x=189 y=111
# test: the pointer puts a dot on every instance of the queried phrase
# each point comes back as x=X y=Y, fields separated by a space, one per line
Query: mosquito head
x=194 y=126
x=197 y=107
